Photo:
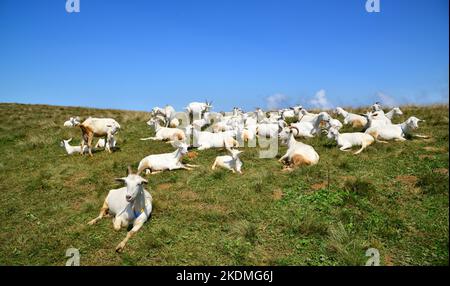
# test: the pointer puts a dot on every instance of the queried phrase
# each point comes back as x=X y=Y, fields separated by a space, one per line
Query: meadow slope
x=393 y=197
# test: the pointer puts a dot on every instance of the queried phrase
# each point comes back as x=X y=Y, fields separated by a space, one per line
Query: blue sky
x=143 y=53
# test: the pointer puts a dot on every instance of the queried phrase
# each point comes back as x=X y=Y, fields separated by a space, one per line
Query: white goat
x=395 y=132
x=97 y=127
x=168 y=161
x=224 y=125
x=312 y=127
x=304 y=116
x=204 y=121
x=165 y=133
x=334 y=123
x=270 y=129
x=205 y=139
x=72 y=122
x=347 y=140
x=129 y=205
x=101 y=143
x=232 y=162
x=72 y=149
x=298 y=153
x=379 y=118
x=168 y=114
x=356 y=120
x=376 y=107
x=260 y=115
x=246 y=133
x=394 y=111
x=196 y=109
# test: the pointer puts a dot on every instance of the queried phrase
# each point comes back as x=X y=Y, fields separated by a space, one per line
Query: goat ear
x=144 y=181
x=70 y=139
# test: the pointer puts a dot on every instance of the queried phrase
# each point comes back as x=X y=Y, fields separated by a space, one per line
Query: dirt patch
x=388 y=260
x=204 y=207
x=277 y=194
x=162 y=187
x=188 y=195
x=347 y=178
x=443 y=171
x=319 y=186
x=407 y=179
x=426 y=157
x=192 y=155
x=433 y=149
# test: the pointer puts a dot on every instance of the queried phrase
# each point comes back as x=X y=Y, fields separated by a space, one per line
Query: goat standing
x=97 y=127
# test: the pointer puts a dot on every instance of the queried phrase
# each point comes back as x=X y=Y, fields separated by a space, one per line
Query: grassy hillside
x=393 y=197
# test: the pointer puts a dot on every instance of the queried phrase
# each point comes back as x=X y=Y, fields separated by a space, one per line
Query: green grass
x=393 y=197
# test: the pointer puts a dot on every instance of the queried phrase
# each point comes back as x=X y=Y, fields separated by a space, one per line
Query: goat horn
x=130 y=171
x=293 y=127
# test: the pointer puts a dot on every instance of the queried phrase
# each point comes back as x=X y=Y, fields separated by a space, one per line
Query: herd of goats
x=132 y=204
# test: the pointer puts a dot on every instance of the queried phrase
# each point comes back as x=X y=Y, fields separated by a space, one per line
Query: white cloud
x=277 y=101
x=386 y=100
x=320 y=100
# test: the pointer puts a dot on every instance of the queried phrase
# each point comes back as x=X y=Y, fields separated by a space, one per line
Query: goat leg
x=190 y=165
x=103 y=213
x=89 y=143
x=421 y=136
x=381 y=141
x=360 y=150
x=345 y=148
x=132 y=232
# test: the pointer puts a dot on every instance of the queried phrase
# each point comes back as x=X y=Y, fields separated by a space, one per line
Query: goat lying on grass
x=232 y=162
x=168 y=161
x=356 y=120
x=101 y=143
x=205 y=139
x=270 y=129
x=395 y=132
x=72 y=122
x=379 y=118
x=298 y=153
x=347 y=140
x=72 y=149
x=165 y=133
x=129 y=205
x=311 y=127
